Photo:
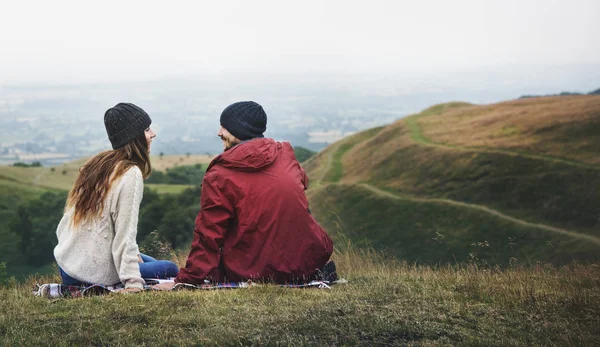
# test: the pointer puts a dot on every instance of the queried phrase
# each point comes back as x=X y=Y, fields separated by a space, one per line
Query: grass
x=401 y=159
x=327 y=166
x=61 y=177
x=14 y=193
x=168 y=188
x=386 y=302
x=557 y=128
x=168 y=161
x=433 y=232
x=546 y=192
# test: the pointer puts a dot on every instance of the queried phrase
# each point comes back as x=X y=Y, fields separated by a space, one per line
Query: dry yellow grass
x=169 y=161
x=560 y=127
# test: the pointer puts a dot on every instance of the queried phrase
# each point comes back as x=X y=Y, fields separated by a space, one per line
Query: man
x=254 y=221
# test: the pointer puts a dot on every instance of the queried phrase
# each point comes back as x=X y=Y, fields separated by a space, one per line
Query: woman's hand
x=164 y=286
x=140 y=260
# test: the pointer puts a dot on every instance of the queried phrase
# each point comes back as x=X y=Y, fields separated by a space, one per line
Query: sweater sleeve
x=209 y=234
x=124 y=248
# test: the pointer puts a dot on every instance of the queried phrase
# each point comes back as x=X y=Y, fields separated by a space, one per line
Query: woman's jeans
x=150 y=268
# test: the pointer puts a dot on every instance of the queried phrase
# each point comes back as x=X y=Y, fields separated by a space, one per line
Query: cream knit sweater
x=104 y=250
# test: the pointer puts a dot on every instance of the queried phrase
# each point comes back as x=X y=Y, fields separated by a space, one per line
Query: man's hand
x=164 y=286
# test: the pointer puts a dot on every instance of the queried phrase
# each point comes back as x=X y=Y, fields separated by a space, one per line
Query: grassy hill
x=386 y=302
x=514 y=181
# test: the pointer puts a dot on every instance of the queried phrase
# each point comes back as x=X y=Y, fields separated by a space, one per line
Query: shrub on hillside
x=34 y=164
x=170 y=216
x=34 y=226
x=31 y=229
x=303 y=154
x=187 y=174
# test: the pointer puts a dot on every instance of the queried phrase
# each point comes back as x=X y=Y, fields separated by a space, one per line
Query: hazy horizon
x=322 y=70
x=68 y=42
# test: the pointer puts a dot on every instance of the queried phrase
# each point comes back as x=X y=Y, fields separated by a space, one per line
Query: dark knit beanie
x=244 y=120
x=124 y=122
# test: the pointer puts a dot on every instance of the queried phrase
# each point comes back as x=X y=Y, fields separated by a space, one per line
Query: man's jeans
x=150 y=268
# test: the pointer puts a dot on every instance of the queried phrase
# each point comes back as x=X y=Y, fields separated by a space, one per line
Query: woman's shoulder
x=134 y=171
x=132 y=175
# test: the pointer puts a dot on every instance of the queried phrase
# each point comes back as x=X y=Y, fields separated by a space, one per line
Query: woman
x=97 y=234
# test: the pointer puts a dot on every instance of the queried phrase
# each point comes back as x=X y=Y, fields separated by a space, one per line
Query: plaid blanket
x=56 y=290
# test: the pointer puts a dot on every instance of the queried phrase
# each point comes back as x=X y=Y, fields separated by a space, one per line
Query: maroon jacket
x=254 y=221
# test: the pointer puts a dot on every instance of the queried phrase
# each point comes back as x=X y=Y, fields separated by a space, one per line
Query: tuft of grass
x=387 y=301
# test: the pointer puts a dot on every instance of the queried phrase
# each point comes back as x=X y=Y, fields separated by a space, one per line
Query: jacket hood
x=252 y=155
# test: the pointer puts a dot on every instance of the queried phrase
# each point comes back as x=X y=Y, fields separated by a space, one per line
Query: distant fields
x=168 y=161
x=535 y=175
x=61 y=177
x=168 y=188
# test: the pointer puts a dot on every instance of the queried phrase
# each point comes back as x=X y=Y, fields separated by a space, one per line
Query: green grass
x=412 y=121
x=552 y=193
x=303 y=154
x=168 y=188
x=14 y=193
x=435 y=232
x=335 y=170
x=385 y=302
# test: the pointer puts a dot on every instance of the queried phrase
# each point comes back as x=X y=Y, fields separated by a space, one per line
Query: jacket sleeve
x=124 y=248
x=212 y=221
x=303 y=175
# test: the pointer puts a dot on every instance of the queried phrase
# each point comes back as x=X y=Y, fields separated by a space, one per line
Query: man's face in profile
x=228 y=139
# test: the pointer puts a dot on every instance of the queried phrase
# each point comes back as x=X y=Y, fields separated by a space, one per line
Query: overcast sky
x=75 y=41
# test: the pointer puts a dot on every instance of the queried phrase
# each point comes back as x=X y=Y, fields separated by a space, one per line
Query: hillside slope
x=385 y=303
x=520 y=177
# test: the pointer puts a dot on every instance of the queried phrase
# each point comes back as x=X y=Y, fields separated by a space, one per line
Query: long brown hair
x=97 y=174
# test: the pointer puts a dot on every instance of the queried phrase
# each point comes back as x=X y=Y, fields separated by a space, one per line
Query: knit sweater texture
x=103 y=250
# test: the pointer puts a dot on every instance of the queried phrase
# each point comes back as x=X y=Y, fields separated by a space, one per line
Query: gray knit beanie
x=244 y=120
x=124 y=122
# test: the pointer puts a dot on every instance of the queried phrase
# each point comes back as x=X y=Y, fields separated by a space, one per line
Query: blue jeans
x=150 y=268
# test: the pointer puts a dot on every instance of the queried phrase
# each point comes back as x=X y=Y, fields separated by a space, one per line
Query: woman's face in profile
x=149 y=136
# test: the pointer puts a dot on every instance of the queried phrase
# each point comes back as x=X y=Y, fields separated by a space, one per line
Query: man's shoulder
x=286 y=145
x=288 y=149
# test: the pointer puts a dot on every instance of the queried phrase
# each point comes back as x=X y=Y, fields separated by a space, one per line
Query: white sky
x=75 y=41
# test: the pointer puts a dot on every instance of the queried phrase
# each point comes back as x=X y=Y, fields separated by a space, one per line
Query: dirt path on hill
x=326 y=168
x=420 y=139
x=593 y=239
x=418 y=136
x=36 y=180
